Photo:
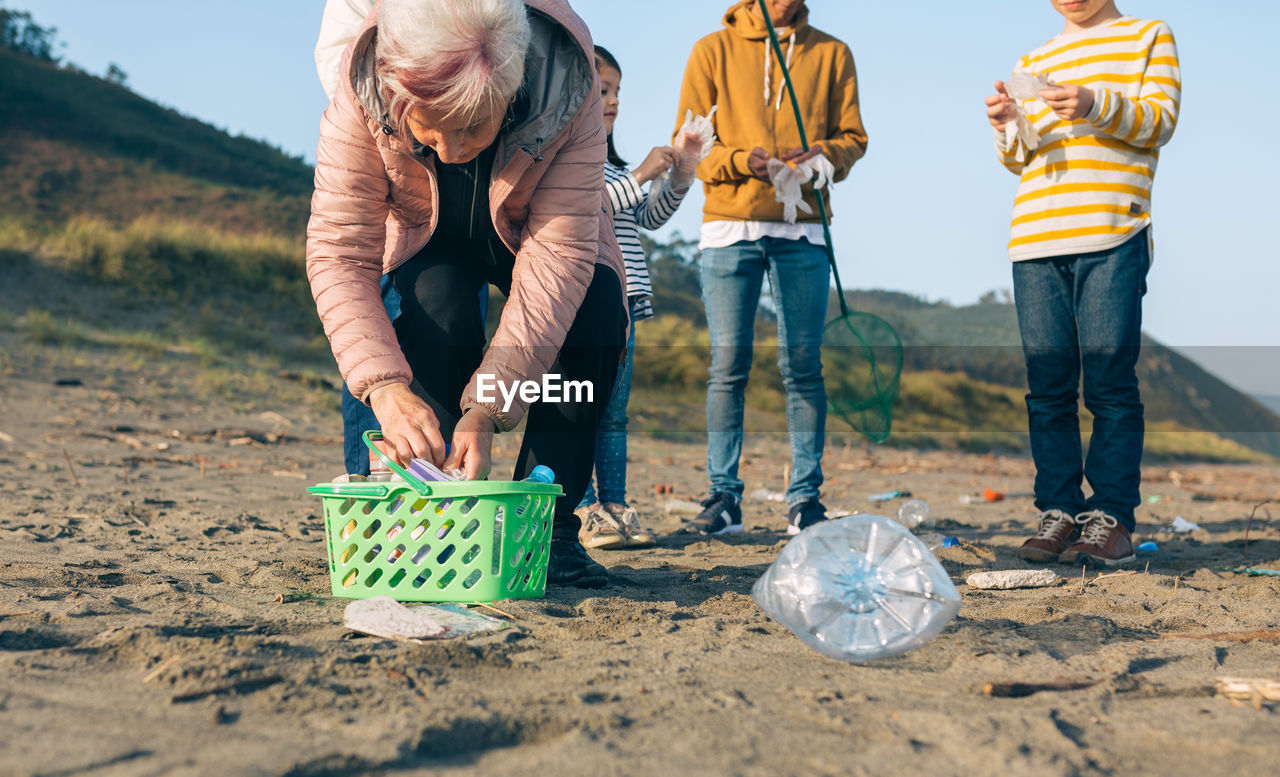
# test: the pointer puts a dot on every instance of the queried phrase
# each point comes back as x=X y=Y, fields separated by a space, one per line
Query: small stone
x=1014 y=578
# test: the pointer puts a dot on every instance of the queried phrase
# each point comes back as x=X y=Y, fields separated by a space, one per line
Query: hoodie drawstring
x=768 y=74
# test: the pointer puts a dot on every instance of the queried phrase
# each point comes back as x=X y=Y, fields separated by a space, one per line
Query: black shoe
x=804 y=515
x=721 y=514
x=570 y=565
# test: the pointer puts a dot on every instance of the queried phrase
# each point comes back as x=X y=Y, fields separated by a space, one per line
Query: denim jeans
x=1083 y=313
x=611 y=439
x=732 y=277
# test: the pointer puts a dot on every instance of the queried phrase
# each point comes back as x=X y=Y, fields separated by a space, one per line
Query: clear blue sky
x=926 y=211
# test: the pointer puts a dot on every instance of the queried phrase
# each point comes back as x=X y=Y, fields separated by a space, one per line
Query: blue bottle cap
x=542 y=474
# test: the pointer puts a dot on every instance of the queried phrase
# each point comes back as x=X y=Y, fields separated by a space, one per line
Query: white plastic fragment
x=1014 y=578
x=383 y=616
x=1181 y=525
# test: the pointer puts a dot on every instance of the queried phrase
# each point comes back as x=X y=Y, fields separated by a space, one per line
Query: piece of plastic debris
x=1154 y=498
x=858 y=588
x=681 y=506
x=1181 y=525
x=1014 y=578
x=768 y=496
x=383 y=616
x=914 y=513
x=1147 y=547
x=887 y=495
x=1254 y=571
x=950 y=542
x=992 y=495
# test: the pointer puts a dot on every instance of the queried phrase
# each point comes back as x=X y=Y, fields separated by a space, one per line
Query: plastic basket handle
x=409 y=477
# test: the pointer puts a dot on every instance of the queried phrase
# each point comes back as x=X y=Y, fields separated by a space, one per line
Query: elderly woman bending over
x=465 y=145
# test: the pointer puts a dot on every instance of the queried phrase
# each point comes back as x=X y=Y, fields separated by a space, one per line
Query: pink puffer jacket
x=375 y=207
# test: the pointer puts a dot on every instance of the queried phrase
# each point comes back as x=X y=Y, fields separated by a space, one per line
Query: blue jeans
x=357 y=417
x=611 y=439
x=731 y=281
x=1083 y=313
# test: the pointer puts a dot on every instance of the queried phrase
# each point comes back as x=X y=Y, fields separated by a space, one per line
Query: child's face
x=610 y=83
x=1081 y=12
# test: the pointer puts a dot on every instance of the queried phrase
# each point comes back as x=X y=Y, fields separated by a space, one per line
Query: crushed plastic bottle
x=858 y=589
x=914 y=513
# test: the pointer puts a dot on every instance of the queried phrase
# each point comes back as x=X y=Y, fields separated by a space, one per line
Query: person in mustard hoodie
x=744 y=235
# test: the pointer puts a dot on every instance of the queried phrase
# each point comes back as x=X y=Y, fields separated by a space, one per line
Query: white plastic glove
x=1023 y=86
x=693 y=144
x=788 y=182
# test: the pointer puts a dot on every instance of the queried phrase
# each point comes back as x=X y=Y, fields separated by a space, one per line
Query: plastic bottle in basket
x=858 y=588
x=541 y=474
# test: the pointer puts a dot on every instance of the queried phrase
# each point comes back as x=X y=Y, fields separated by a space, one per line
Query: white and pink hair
x=460 y=58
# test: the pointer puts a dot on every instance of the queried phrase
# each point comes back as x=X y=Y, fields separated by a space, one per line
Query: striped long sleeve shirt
x=1087 y=187
x=633 y=210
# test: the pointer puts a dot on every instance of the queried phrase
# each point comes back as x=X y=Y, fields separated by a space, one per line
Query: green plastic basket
x=467 y=541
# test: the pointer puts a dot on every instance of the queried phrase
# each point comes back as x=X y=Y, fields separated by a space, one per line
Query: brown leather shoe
x=1057 y=531
x=1103 y=542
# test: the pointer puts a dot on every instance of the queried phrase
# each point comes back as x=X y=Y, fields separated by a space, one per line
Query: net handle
x=409 y=477
x=804 y=143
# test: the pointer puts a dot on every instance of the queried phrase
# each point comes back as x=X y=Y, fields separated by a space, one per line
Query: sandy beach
x=165 y=609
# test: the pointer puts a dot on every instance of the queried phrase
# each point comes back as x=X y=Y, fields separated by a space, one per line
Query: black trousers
x=442 y=335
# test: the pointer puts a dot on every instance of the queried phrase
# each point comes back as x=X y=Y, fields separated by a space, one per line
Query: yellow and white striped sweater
x=1087 y=187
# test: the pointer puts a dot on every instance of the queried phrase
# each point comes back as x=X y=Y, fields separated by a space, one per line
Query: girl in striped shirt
x=607 y=521
x=1106 y=101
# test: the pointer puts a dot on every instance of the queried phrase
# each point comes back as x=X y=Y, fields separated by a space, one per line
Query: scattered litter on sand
x=1181 y=525
x=1014 y=578
x=768 y=496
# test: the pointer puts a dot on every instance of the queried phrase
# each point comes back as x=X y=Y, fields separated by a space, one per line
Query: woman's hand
x=688 y=148
x=1068 y=101
x=408 y=424
x=660 y=160
x=472 y=449
x=1000 y=107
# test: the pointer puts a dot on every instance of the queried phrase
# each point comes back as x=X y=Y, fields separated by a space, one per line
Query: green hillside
x=77 y=145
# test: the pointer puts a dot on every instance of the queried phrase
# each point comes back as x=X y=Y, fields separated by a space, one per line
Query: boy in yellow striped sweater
x=1089 y=111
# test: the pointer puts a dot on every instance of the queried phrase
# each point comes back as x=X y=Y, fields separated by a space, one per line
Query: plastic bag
x=858 y=588
x=788 y=182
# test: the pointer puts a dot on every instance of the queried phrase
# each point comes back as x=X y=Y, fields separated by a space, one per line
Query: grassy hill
x=129 y=232
x=78 y=145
